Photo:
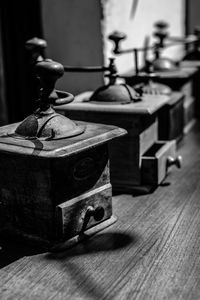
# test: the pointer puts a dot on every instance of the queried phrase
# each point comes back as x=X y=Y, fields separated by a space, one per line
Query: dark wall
x=73 y=31
x=192 y=15
x=20 y=20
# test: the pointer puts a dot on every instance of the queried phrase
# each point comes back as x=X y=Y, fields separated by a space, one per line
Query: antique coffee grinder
x=134 y=167
x=178 y=77
x=55 y=183
x=170 y=117
x=175 y=74
x=149 y=84
x=186 y=77
x=139 y=161
x=118 y=104
x=160 y=63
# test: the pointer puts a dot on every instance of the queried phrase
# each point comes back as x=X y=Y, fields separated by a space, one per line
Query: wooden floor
x=151 y=252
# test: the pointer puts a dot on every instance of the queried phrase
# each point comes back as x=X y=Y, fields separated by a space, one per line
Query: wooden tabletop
x=151 y=252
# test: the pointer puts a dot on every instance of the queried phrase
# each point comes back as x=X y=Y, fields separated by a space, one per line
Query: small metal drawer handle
x=97 y=213
x=174 y=161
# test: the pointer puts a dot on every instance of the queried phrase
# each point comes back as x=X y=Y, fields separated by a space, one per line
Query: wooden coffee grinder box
x=171 y=117
x=131 y=158
x=170 y=72
x=54 y=172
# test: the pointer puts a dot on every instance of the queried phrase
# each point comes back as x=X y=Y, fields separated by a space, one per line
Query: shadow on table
x=91 y=280
x=102 y=242
x=11 y=250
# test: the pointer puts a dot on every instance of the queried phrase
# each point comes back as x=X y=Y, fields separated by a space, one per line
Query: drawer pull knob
x=97 y=213
x=174 y=161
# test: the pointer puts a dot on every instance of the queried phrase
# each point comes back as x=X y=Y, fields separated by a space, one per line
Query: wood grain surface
x=95 y=134
x=151 y=252
x=148 y=105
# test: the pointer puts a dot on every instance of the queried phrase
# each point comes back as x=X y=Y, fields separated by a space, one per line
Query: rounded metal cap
x=36 y=43
x=49 y=126
x=164 y=64
x=115 y=94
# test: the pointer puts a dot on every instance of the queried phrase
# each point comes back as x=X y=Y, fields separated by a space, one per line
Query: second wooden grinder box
x=128 y=154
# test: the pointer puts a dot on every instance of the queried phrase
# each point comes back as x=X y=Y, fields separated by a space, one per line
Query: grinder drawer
x=186 y=89
x=86 y=211
x=156 y=161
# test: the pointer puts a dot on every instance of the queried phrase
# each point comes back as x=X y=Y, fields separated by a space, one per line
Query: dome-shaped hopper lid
x=115 y=94
x=164 y=64
x=36 y=43
x=48 y=127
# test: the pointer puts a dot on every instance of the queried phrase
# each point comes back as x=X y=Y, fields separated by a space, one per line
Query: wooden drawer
x=71 y=214
x=189 y=113
x=157 y=160
x=186 y=89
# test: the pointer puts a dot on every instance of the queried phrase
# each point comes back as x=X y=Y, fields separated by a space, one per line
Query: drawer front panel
x=154 y=162
x=71 y=214
x=189 y=110
x=187 y=89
